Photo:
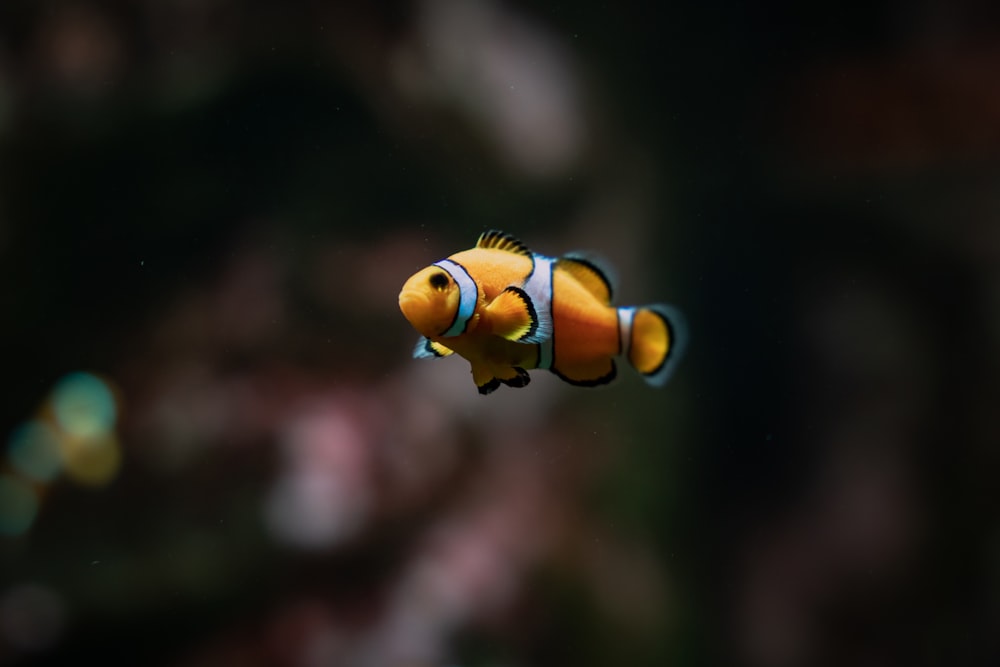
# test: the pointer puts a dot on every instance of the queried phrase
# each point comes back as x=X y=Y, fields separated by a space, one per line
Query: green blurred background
x=218 y=451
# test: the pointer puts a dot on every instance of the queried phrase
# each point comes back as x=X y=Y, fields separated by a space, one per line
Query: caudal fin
x=654 y=338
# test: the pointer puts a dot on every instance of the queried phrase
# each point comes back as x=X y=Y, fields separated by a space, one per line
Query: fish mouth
x=412 y=302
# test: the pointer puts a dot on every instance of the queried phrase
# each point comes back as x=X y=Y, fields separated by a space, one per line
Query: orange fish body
x=508 y=310
x=587 y=339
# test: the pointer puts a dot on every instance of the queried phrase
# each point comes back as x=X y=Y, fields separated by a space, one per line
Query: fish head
x=430 y=301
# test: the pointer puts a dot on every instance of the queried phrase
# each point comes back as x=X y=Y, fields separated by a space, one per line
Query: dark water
x=218 y=451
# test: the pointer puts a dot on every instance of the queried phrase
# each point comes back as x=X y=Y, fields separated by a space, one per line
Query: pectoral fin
x=513 y=316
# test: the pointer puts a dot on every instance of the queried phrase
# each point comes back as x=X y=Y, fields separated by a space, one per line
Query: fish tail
x=653 y=340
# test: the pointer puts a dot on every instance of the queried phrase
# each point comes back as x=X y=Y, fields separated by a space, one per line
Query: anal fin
x=592 y=374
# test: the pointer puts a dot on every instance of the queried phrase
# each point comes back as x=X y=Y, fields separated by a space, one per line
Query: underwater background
x=217 y=449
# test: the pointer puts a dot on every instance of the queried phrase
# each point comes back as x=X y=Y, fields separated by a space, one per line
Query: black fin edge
x=521 y=380
x=498 y=240
x=422 y=349
x=489 y=387
x=677 y=333
x=532 y=313
x=596 y=382
x=595 y=264
x=671 y=339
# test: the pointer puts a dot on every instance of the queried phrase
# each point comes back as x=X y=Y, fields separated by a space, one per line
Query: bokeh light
x=33 y=450
x=91 y=461
x=73 y=434
x=322 y=497
x=18 y=506
x=84 y=405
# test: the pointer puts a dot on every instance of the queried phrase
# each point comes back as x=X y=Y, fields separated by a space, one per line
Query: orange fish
x=507 y=310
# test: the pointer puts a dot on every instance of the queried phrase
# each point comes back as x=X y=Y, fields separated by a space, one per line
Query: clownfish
x=507 y=309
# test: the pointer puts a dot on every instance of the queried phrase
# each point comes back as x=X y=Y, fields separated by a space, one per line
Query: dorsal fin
x=590 y=273
x=498 y=240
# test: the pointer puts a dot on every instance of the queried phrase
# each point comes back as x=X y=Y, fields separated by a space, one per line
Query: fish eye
x=438 y=280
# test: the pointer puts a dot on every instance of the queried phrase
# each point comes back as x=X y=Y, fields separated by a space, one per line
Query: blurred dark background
x=218 y=451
